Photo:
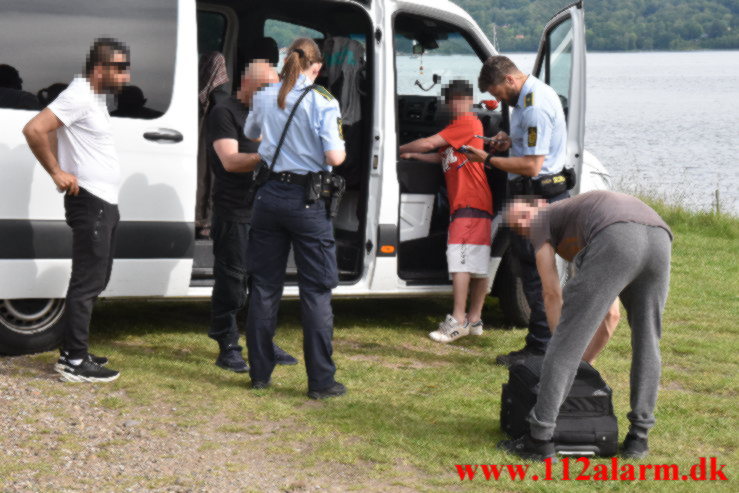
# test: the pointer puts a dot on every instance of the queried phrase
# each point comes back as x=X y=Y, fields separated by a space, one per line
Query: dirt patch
x=56 y=436
x=674 y=386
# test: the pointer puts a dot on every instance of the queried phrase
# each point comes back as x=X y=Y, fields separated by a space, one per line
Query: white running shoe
x=449 y=330
x=476 y=328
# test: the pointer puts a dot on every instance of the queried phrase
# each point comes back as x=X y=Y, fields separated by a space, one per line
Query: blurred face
x=520 y=216
x=505 y=91
x=460 y=106
x=112 y=75
x=257 y=75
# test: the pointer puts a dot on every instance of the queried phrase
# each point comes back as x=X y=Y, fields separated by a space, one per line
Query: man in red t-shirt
x=471 y=209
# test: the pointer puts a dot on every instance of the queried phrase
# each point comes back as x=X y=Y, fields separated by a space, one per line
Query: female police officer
x=311 y=143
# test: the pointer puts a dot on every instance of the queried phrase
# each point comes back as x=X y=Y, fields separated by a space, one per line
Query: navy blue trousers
x=539 y=334
x=281 y=218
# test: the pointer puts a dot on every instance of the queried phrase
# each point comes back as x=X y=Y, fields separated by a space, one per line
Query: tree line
x=615 y=25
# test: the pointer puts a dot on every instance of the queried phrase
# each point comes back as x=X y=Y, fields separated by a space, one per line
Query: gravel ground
x=56 y=436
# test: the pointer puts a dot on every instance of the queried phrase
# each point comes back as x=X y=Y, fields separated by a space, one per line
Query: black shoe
x=87 y=371
x=282 y=357
x=260 y=384
x=634 y=447
x=528 y=448
x=517 y=357
x=230 y=358
x=63 y=361
x=335 y=390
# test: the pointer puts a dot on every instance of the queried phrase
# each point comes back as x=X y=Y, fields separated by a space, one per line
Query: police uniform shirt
x=538 y=126
x=315 y=129
x=226 y=121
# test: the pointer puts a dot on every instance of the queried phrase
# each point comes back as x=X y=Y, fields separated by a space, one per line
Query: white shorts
x=474 y=259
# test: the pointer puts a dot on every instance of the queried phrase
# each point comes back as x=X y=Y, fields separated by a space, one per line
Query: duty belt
x=546 y=186
x=288 y=177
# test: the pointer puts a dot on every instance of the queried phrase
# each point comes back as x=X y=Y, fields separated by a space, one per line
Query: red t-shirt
x=466 y=182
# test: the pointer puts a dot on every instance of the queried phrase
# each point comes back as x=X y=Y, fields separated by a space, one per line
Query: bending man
x=621 y=247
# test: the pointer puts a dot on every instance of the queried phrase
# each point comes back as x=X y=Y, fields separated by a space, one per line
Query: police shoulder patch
x=340 y=124
x=528 y=100
x=324 y=92
x=532 y=136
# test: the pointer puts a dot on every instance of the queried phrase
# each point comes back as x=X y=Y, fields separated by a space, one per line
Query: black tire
x=30 y=325
x=509 y=289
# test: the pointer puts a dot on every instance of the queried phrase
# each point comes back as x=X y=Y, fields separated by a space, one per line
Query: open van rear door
x=560 y=63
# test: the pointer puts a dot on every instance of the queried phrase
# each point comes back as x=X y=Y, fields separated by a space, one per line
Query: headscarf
x=212 y=74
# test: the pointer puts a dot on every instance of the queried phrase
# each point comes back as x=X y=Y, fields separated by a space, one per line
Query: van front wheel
x=30 y=325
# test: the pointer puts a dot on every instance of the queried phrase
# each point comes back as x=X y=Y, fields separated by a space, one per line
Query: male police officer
x=232 y=157
x=538 y=144
x=621 y=248
x=86 y=168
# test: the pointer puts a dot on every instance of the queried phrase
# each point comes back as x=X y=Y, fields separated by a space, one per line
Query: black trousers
x=539 y=334
x=229 y=291
x=93 y=222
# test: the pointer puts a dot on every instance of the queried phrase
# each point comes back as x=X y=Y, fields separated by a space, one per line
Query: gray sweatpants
x=624 y=259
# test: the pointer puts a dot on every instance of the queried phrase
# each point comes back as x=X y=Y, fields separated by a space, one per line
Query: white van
x=391 y=230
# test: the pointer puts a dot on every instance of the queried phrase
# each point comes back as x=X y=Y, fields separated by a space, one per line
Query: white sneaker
x=449 y=330
x=476 y=328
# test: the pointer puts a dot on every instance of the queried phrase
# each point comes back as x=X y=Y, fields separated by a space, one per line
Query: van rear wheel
x=30 y=325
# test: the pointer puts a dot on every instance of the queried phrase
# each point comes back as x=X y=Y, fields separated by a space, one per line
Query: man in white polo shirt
x=73 y=141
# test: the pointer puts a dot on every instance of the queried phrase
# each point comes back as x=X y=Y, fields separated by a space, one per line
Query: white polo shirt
x=85 y=142
x=538 y=126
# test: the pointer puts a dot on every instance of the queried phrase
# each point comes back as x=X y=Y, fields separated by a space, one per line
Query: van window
x=45 y=42
x=285 y=33
x=426 y=47
x=557 y=67
x=211 y=31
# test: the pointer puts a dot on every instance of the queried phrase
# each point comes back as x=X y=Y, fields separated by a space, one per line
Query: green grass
x=416 y=408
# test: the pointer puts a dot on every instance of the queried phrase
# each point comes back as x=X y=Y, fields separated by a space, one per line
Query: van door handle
x=166 y=135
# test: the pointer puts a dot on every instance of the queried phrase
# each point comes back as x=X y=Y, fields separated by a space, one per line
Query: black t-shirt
x=226 y=121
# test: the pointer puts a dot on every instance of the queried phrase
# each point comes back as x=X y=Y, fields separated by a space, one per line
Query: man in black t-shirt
x=232 y=157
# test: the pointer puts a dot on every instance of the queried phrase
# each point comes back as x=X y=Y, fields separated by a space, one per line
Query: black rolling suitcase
x=586 y=424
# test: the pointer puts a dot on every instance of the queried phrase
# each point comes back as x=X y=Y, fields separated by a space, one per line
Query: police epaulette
x=324 y=92
x=528 y=100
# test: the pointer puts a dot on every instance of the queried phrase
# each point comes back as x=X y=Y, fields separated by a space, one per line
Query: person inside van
x=47 y=95
x=85 y=167
x=12 y=94
x=470 y=207
x=132 y=104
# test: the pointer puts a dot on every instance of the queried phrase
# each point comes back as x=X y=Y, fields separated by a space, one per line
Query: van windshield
x=425 y=48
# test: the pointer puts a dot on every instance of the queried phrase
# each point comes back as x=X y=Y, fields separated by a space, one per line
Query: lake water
x=665 y=123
